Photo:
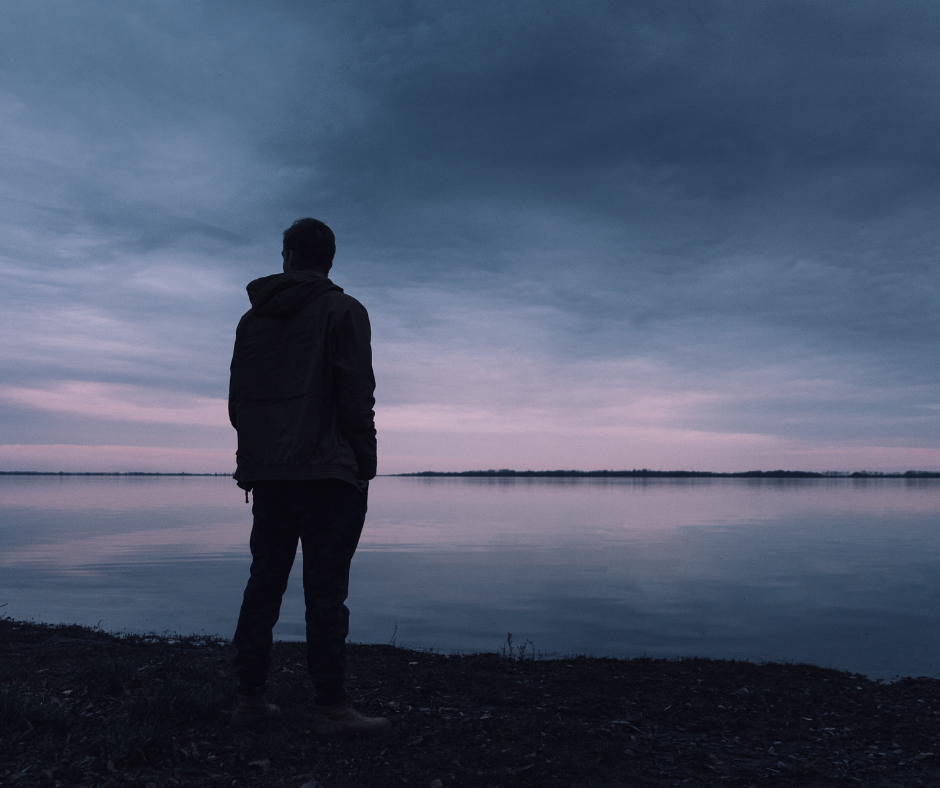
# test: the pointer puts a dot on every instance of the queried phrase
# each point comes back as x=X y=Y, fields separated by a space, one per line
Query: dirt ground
x=82 y=707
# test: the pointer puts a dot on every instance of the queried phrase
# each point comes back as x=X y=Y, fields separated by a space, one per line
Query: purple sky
x=590 y=235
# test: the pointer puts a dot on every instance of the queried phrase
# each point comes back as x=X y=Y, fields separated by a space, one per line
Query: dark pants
x=326 y=515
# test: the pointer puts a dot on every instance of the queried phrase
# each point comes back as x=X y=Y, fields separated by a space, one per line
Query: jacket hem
x=251 y=474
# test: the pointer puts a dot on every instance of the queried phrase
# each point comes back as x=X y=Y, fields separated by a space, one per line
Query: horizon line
x=509 y=473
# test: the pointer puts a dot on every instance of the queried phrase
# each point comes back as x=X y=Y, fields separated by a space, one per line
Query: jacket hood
x=281 y=295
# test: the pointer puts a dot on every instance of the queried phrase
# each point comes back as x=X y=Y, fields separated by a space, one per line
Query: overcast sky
x=589 y=235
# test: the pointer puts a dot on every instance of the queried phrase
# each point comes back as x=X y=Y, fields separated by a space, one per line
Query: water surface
x=842 y=573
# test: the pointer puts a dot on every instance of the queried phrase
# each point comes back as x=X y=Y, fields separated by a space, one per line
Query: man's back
x=301 y=389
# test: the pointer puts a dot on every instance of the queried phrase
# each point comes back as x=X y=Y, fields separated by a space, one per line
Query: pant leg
x=330 y=535
x=274 y=536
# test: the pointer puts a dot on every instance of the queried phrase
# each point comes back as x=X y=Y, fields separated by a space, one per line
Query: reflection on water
x=842 y=572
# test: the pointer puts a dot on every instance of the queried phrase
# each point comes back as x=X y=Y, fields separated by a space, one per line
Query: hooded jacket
x=301 y=387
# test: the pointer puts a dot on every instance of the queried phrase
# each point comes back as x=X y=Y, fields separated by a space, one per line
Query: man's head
x=309 y=245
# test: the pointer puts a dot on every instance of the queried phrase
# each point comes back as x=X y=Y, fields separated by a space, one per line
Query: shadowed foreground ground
x=81 y=707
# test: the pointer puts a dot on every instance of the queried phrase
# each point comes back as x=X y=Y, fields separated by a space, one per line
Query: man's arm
x=234 y=380
x=355 y=386
x=232 y=387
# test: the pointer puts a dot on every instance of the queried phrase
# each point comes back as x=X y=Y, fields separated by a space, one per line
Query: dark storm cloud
x=742 y=195
x=717 y=103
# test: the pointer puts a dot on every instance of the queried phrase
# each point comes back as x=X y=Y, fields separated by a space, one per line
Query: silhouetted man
x=301 y=399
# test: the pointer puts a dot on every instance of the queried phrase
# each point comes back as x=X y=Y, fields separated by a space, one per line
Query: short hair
x=312 y=243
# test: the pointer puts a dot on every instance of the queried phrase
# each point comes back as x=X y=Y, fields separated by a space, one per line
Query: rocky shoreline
x=83 y=707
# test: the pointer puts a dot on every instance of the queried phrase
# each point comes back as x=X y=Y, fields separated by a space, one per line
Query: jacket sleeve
x=355 y=386
x=232 y=387
x=234 y=383
x=231 y=400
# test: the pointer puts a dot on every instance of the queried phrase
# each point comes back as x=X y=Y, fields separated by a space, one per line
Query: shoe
x=253 y=709
x=343 y=720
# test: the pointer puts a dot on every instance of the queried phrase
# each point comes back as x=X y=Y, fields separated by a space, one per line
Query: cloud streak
x=111 y=402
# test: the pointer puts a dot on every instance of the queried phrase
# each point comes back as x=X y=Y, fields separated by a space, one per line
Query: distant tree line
x=644 y=473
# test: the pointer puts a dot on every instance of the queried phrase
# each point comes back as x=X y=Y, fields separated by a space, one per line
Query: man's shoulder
x=341 y=300
x=245 y=318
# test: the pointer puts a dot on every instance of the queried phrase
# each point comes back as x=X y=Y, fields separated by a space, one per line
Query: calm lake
x=842 y=573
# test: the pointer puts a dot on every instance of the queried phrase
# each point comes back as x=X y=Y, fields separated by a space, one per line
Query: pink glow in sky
x=438 y=437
